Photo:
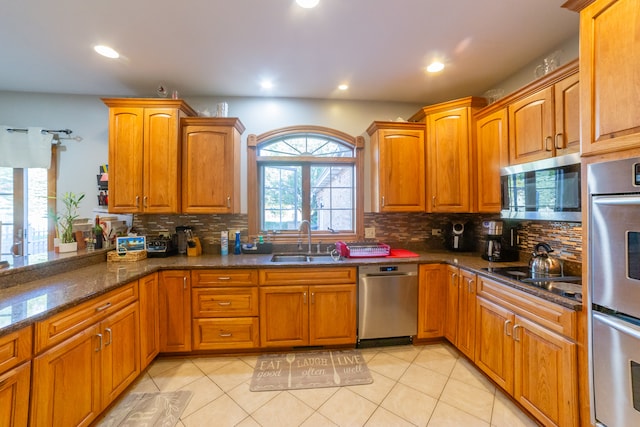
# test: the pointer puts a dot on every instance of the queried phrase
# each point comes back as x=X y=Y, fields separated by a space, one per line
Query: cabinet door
x=149 y=318
x=546 y=374
x=401 y=170
x=161 y=160
x=66 y=382
x=332 y=314
x=174 y=306
x=120 y=352
x=492 y=141
x=284 y=316
x=126 y=126
x=14 y=395
x=567 y=108
x=209 y=169
x=451 y=308
x=432 y=295
x=449 y=157
x=467 y=314
x=494 y=345
x=610 y=76
x=531 y=127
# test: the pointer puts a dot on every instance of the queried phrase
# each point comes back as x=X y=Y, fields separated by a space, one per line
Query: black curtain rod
x=67 y=131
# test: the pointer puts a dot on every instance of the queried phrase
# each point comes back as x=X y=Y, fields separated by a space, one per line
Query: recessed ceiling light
x=307 y=4
x=106 y=51
x=435 y=66
x=266 y=84
x=343 y=87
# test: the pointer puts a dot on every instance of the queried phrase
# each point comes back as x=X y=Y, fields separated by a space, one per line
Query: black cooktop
x=566 y=286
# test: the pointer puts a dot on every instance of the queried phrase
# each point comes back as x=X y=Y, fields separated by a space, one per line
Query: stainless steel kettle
x=544 y=265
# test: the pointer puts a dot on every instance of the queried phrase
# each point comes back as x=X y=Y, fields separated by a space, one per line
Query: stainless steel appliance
x=543 y=190
x=161 y=246
x=497 y=247
x=387 y=302
x=614 y=289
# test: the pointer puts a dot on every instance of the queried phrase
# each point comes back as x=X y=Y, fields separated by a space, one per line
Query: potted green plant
x=64 y=221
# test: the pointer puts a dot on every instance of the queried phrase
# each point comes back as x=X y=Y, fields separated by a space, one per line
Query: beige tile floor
x=430 y=385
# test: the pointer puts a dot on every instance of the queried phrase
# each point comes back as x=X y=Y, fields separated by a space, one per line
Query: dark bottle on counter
x=98 y=233
x=237 y=250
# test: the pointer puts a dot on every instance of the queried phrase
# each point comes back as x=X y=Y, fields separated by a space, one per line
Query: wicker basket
x=126 y=257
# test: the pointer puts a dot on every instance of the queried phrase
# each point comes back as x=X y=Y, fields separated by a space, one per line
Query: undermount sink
x=299 y=257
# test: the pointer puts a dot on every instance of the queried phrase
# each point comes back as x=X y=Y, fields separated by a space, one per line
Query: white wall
x=87 y=116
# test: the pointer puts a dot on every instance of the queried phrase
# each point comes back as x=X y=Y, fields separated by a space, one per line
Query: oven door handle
x=617 y=201
x=618 y=324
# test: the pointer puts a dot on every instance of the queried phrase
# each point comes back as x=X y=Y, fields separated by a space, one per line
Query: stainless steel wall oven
x=614 y=291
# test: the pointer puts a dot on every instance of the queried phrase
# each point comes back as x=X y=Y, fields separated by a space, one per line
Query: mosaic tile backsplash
x=407 y=230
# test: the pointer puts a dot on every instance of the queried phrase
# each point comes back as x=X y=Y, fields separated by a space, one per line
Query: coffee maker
x=496 y=249
x=458 y=237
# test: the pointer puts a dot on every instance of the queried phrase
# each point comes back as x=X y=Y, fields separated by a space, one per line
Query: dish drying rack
x=362 y=249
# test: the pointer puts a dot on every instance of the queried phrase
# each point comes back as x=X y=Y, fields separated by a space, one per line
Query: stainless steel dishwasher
x=387 y=303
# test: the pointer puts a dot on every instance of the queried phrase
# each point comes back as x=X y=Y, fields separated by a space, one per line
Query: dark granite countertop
x=53 y=287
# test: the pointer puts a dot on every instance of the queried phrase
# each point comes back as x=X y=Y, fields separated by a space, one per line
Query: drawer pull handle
x=103 y=307
x=224 y=278
x=99 y=343
x=108 y=330
x=224 y=303
x=506 y=327
x=225 y=334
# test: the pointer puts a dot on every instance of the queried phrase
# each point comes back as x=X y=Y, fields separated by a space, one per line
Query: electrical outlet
x=369 y=233
x=436 y=232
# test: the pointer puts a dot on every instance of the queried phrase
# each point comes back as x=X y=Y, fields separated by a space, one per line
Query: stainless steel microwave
x=547 y=189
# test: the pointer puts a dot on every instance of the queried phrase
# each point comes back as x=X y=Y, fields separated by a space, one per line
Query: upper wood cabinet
x=451 y=154
x=545 y=122
x=144 y=155
x=397 y=167
x=610 y=75
x=211 y=165
x=492 y=142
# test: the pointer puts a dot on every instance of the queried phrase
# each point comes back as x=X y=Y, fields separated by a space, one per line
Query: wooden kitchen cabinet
x=492 y=142
x=79 y=377
x=310 y=306
x=15 y=377
x=211 y=165
x=545 y=122
x=451 y=154
x=397 y=167
x=432 y=295
x=535 y=364
x=461 y=306
x=174 y=305
x=144 y=154
x=149 y=319
x=610 y=75
x=225 y=309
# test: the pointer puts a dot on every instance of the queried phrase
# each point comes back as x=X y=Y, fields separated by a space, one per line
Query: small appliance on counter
x=497 y=248
x=458 y=237
x=182 y=232
x=160 y=247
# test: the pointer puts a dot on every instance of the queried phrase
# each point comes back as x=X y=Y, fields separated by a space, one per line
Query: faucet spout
x=303 y=222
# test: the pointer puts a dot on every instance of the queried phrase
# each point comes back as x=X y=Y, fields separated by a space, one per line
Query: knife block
x=196 y=250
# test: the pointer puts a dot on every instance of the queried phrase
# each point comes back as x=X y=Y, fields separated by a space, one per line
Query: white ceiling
x=224 y=47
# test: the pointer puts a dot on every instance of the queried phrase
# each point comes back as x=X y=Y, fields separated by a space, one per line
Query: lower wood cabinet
x=149 y=319
x=76 y=379
x=15 y=377
x=460 y=315
x=321 y=313
x=432 y=293
x=174 y=305
x=534 y=364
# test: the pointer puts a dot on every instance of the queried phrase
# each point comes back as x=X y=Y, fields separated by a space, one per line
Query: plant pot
x=68 y=247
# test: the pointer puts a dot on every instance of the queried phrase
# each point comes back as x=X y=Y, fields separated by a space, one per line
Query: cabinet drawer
x=551 y=316
x=212 y=334
x=65 y=324
x=224 y=278
x=307 y=276
x=224 y=302
x=15 y=348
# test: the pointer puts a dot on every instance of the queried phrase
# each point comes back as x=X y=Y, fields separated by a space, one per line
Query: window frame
x=253 y=184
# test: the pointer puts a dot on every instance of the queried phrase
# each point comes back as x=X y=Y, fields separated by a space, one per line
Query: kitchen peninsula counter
x=49 y=290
